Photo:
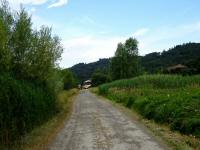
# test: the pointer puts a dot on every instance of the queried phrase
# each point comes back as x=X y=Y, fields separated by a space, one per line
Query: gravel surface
x=96 y=124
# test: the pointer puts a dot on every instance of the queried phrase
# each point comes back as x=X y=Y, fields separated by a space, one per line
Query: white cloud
x=31 y=2
x=166 y=37
x=39 y=21
x=140 y=32
x=88 y=48
x=32 y=11
x=55 y=3
x=58 y=3
x=16 y=3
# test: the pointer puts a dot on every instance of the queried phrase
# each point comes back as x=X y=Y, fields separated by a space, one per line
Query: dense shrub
x=69 y=79
x=103 y=90
x=23 y=106
x=168 y=99
x=99 y=78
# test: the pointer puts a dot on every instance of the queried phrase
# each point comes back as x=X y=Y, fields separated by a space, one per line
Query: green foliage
x=103 y=90
x=100 y=76
x=157 y=81
x=21 y=43
x=84 y=72
x=29 y=76
x=47 y=52
x=125 y=62
x=6 y=20
x=35 y=53
x=168 y=99
x=187 y=54
x=55 y=81
x=27 y=53
x=68 y=79
x=23 y=106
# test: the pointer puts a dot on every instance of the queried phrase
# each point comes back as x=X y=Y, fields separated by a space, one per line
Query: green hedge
x=22 y=107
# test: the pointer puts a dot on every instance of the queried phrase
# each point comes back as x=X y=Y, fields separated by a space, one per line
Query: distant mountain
x=84 y=71
x=185 y=54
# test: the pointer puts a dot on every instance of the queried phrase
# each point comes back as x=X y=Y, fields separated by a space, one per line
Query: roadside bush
x=103 y=90
x=23 y=106
x=130 y=101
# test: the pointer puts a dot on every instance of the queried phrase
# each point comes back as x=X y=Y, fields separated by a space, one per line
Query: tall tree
x=45 y=52
x=6 y=21
x=100 y=76
x=21 y=43
x=125 y=62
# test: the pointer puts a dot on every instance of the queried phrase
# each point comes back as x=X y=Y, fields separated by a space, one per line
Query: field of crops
x=170 y=99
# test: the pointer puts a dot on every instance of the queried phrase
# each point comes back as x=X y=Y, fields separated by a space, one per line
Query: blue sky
x=91 y=29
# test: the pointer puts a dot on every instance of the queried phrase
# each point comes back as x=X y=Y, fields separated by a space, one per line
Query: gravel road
x=95 y=124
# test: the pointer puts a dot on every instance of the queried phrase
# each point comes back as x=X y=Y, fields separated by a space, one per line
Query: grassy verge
x=40 y=137
x=168 y=101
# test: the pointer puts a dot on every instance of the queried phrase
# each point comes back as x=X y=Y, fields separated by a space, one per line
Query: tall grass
x=168 y=99
x=23 y=106
x=157 y=81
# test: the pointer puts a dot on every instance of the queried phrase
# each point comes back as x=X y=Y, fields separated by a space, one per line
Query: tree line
x=187 y=54
x=124 y=64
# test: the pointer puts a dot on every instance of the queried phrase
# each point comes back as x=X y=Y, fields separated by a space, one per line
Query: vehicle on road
x=87 y=84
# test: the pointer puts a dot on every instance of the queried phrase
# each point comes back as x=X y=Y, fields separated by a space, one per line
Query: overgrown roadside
x=173 y=139
x=40 y=137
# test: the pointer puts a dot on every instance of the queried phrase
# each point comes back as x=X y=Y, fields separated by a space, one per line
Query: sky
x=91 y=29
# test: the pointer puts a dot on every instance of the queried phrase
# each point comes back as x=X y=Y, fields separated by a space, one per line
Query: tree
x=6 y=21
x=125 y=62
x=68 y=79
x=35 y=53
x=21 y=43
x=29 y=75
x=45 y=53
x=100 y=76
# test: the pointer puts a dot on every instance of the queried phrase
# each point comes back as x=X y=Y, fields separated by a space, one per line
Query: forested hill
x=84 y=71
x=186 y=54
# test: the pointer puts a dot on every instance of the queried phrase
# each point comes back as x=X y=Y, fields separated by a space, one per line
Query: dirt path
x=97 y=125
